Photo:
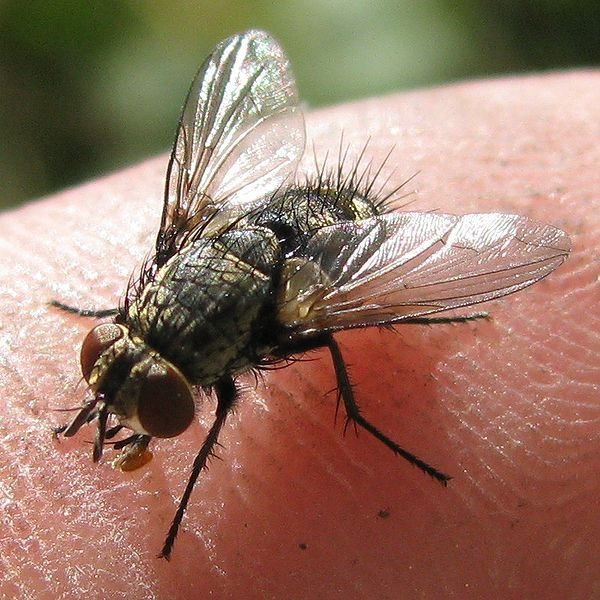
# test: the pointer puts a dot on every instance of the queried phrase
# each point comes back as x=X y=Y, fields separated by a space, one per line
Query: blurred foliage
x=86 y=87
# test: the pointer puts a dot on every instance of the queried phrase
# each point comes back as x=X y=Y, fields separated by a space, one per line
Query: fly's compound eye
x=97 y=341
x=165 y=403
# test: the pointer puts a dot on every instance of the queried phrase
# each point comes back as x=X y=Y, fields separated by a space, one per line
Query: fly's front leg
x=226 y=396
x=84 y=312
x=354 y=414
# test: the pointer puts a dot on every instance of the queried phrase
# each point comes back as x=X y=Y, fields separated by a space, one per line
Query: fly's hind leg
x=477 y=316
x=355 y=416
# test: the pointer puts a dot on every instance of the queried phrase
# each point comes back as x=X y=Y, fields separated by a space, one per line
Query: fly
x=251 y=268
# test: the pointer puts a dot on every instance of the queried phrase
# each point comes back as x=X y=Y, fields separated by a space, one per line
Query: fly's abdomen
x=200 y=310
x=295 y=214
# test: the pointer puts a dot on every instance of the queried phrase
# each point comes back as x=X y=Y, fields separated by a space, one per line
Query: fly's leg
x=92 y=409
x=113 y=432
x=103 y=415
x=226 y=396
x=84 y=312
x=354 y=415
x=87 y=413
x=445 y=320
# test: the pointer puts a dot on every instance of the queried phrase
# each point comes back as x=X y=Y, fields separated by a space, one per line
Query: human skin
x=296 y=509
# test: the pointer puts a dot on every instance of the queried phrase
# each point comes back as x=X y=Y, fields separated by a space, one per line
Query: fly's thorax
x=143 y=390
x=203 y=310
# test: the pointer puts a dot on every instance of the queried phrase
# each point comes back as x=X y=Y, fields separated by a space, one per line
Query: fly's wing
x=241 y=134
x=397 y=266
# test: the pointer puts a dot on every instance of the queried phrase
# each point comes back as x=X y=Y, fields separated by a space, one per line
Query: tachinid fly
x=251 y=268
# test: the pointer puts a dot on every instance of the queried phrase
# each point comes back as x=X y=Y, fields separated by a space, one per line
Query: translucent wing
x=241 y=134
x=396 y=266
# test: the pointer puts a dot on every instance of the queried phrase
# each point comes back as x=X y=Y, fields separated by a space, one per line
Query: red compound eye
x=165 y=403
x=95 y=343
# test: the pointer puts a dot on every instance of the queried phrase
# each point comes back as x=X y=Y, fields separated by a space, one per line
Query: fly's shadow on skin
x=250 y=269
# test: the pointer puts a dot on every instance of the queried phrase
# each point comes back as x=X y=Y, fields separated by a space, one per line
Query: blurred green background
x=87 y=87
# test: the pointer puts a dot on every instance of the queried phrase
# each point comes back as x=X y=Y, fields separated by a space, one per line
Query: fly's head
x=133 y=383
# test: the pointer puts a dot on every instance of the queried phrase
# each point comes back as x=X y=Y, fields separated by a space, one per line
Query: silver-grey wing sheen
x=403 y=265
x=240 y=136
